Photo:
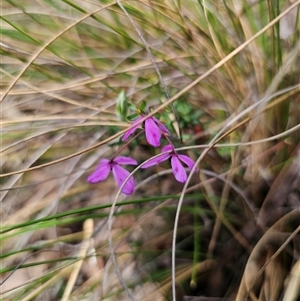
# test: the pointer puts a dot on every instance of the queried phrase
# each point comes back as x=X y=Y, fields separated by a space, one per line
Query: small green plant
x=208 y=85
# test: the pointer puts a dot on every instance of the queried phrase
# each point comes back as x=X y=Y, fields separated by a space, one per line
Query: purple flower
x=153 y=130
x=120 y=174
x=177 y=168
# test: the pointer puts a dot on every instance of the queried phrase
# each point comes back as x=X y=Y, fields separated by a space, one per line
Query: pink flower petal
x=121 y=175
x=178 y=170
x=161 y=126
x=187 y=160
x=125 y=160
x=156 y=160
x=133 y=128
x=167 y=148
x=101 y=172
x=153 y=133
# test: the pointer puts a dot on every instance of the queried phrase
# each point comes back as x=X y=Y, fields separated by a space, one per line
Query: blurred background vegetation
x=64 y=66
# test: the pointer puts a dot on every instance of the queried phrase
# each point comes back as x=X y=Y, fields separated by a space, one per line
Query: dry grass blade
x=253 y=271
x=35 y=56
x=292 y=289
x=88 y=231
x=74 y=75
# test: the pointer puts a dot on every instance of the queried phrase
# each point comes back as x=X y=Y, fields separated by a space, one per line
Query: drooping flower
x=120 y=174
x=153 y=130
x=176 y=159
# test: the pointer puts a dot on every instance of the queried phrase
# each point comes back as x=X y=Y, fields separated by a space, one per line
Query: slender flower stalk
x=176 y=159
x=125 y=145
x=120 y=174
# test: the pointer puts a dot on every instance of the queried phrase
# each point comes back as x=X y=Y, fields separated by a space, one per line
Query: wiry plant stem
x=218 y=137
x=152 y=61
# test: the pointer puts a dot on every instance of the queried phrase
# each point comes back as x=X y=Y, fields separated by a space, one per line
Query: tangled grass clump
x=223 y=78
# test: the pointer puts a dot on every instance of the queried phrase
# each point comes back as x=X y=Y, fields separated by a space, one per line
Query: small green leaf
x=122 y=106
x=132 y=117
x=132 y=107
x=143 y=107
